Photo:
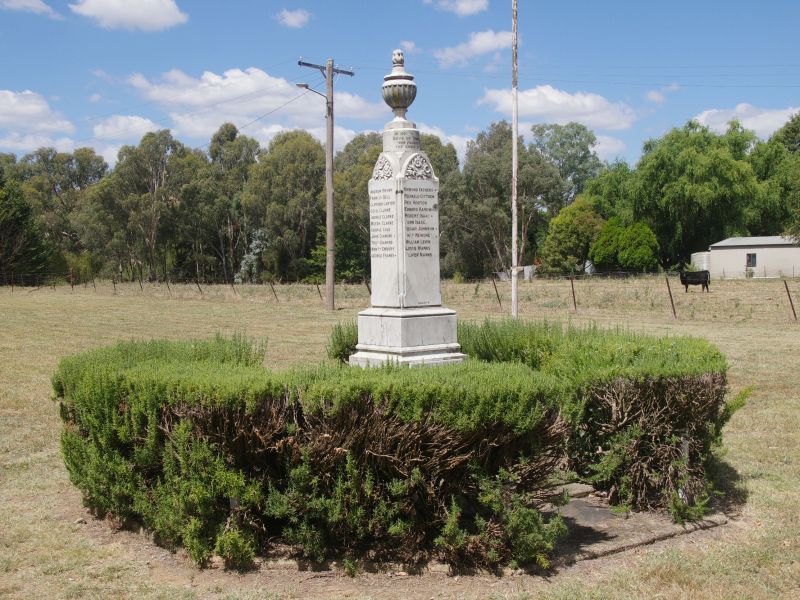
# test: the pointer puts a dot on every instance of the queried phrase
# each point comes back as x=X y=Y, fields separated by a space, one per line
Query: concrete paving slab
x=596 y=530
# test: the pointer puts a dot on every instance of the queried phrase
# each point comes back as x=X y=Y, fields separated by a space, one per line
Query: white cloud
x=355 y=107
x=26 y=142
x=265 y=134
x=198 y=106
x=95 y=98
x=659 y=96
x=123 y=127
x=37 y=7
x=29 y=112
x=764 y=121
x=144 y=15
x=109 y=153
x=293 y=18
x=101 y=74
x=410 y=47
x=479 y=43
x=546 y=103
x=341 y=136
x=609 y=148
x=462 y=8
x=459 y=141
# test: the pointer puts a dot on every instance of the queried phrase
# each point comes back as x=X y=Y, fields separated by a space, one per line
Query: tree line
x=234 y=211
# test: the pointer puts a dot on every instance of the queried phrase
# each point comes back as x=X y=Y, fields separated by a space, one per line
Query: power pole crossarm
x=328 y=70
x=336 y=70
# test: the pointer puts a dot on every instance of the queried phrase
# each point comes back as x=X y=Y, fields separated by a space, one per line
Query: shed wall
x=776 y=261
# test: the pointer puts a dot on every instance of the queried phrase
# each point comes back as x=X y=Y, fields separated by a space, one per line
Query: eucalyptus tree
x=232 y=157
x=52 y=183
x=789 y=134
x=8 y=163
x=285 y=189
x=22 y=247
x=150 y=181
x=570 y=148
x=353 y=167
x=483 y=213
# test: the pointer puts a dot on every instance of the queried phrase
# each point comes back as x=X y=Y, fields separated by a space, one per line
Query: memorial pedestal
x=410 y=336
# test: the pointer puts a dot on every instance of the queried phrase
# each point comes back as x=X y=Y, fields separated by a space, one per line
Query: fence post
x=574 y=301
x=273 y=292
x=114 y=283
x=71 y=280
x=496 y=292
x=791 y=302
x=671 y=301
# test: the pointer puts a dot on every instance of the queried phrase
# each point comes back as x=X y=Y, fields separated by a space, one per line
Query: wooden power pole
x=328 y=70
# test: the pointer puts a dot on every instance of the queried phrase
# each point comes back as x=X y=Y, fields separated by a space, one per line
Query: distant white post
x=514 y=163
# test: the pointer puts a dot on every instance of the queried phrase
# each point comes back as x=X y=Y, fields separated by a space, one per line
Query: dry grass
x=44 y=552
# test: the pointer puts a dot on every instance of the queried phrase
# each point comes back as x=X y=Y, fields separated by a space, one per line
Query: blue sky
x=100 y=73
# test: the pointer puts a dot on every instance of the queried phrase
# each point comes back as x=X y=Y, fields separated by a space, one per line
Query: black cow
x=695 y=278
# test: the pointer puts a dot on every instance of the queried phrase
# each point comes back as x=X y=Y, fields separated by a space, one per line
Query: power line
x=205 y=108
x=274 y=110
x=91 y=119
x=543 y=79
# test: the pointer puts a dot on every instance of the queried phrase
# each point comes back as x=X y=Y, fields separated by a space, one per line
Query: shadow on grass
x=731 y=493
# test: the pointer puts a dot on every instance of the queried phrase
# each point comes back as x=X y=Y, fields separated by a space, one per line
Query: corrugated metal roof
x=758 y=240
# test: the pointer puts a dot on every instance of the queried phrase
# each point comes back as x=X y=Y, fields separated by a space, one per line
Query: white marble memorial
x=406 y=322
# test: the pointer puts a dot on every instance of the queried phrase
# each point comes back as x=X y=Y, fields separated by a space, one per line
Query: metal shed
x=759 y=256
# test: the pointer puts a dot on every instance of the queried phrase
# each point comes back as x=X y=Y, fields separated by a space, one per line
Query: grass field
x=51 y=548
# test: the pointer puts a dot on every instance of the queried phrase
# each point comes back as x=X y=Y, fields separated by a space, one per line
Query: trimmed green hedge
x=644 y=413
x=201 y=444
x=393 y=464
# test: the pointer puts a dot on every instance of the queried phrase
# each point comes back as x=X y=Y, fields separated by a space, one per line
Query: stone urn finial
x=399 y=89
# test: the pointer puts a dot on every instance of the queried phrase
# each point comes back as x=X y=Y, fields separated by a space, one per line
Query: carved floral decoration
x=383 y=169
x=418 y=167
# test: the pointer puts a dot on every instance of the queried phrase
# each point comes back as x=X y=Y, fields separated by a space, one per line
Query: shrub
x=342 y=341
x=211 y=451
x=638 y=248
x=644 y=413
x=633 y=248
x=605 y=249
x=569 y=237
x=236 y=548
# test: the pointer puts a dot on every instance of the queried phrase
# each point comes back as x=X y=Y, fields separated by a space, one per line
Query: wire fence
x=76 y=277
x=595 y=294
